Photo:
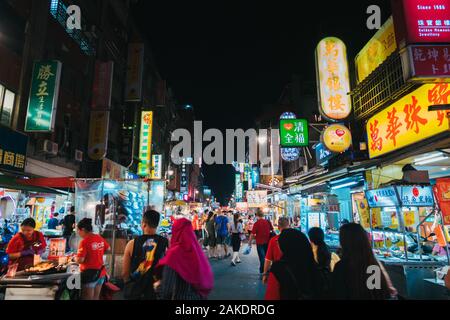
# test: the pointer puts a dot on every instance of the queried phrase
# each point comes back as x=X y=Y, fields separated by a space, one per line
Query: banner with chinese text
x=13 y=150
x=408 y=120
x=43 y=100
x=442 y=193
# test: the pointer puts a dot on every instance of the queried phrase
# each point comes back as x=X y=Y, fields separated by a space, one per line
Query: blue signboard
x=416 y=196
x=323 y=154
x=255 y=176
x=13 y=150
x=385 y=197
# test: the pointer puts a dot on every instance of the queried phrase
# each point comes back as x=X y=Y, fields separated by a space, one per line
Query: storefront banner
x=113 y=170
x=416 y=196
x=294 y=133
x=333 y=79
x=385 y=197
x=239 y=188
x=102 y=88
x=377 y=221
x=386 y=219
x=43 y=98
x=429 y=62
x=442 y=193
x=135 y=70
x=376 y=51
x=409 y=218
x=156 y=167
x=337 y=138
x=13 y=150
x=408 y=120
x=145 y=143
x=257 y=199
x=98 y=135
x=421 y=21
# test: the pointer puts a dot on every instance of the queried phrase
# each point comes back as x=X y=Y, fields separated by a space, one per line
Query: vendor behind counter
x=25 y=244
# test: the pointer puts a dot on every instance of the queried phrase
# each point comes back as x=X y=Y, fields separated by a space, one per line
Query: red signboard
x=430 y=61
x=421 y=21
x=442 y=193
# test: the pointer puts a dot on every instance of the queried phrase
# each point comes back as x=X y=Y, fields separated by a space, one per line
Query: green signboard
x=294 y=133
x=43 y=96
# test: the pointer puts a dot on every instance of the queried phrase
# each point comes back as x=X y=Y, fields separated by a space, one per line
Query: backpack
x=220 y=230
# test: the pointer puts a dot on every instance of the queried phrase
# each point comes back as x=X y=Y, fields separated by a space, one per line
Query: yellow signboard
x=98 y=134
x=337 y=138
x=145 y=144
x=364 y=214
x=408 y=120
x=410 y=218
x=333 y=79
x=376 y=51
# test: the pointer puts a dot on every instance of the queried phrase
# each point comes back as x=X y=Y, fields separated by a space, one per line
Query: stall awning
x=8 y=182
x=62 y=182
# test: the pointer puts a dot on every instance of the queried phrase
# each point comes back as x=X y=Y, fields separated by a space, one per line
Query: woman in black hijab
x=297 y=273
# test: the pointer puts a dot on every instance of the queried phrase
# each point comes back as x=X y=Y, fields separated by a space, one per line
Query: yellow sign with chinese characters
x=408 y=120
x=333 y=79
x=376 y=51
x=337 y=138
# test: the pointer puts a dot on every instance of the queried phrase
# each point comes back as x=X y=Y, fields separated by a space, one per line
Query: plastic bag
x=247 y=249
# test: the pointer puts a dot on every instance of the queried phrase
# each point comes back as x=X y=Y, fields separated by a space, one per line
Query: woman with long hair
x=296 y=275
x=184 y=273
x=210 y=230
x=349 y=281
x=237 y=230
x=322 y=254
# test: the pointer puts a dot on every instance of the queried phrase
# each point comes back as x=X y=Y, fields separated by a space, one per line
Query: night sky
x=229 y=58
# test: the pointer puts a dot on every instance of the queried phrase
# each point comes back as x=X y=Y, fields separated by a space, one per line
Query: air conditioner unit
x=44 y=146
x=78 y=155
x=54 y=150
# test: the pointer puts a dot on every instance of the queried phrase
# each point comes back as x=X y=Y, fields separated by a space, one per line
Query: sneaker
x=233 y=263
x=228 y=255
x=239 y=261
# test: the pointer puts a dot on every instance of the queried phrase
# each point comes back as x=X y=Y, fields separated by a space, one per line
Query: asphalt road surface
x=237 y=283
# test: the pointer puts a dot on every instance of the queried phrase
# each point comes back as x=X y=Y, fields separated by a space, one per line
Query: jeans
x=262 y=249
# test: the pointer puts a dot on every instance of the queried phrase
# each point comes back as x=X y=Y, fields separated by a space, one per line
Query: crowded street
x=228 y=155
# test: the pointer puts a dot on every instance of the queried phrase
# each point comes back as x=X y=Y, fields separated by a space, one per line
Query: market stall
x=398 y=216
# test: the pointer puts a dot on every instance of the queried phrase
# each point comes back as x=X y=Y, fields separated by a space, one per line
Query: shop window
x=7 y=99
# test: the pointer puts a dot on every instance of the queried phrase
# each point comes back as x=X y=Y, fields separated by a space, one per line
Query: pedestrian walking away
x=222 y=227
x=261 y=232
x=237 y=231
x=210 y=240
x=184 y=273
x=68 y=223
x=140 y=258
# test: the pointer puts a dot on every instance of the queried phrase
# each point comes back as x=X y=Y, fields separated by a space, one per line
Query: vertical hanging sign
x=43 y=98
x=135 y=70
x=145 y=143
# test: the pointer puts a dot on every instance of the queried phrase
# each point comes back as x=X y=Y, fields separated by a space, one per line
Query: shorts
x=221 y=240
x=93 y=284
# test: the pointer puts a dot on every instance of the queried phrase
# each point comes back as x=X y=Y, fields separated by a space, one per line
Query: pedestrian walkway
x=237 y=283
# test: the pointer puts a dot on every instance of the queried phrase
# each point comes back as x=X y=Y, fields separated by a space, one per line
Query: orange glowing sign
x=333 y=79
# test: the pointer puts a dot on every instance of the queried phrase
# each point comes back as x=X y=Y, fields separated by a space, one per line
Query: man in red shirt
x=261 y=232
x=274 y=253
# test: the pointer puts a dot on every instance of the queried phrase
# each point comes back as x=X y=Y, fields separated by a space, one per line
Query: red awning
x=63 y=182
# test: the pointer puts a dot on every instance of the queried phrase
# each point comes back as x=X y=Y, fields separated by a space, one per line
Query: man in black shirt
x=141 y=256
x=68 y=224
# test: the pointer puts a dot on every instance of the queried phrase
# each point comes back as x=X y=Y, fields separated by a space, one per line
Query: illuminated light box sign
x=408 y=120
x=257 y=199
x=323 y=154
x=43 y=98
x=416 y=196
x=239 y=188
x=376 y=51
x=156 y=172
x=145 y=143
x=421 y=21
x=428 y=62
x=337 y=138
x=333 y=79
x=294 y=133
x=385 y=197
x=13 y=150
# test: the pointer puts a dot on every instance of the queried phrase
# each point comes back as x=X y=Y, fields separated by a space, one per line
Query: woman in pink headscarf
x=185 y=272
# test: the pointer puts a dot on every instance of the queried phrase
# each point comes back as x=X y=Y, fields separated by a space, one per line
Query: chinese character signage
x=442 y=192
x=333 y=79
x=156 y=166
x=416 y=196
x=239 y=188
x=322 y=154
x=257 y=199
x=113 y=170
x=135 y=70
x=43 y=98
x=145 y=143
x=184 y=177
x=421 y=21
x=13 y=150
x=102 y=88
x=337 y=138
x=98 y=134
x=294 y=133
x=408 y=120
x=385 y=197
x=429 y=62
x=376 y=51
